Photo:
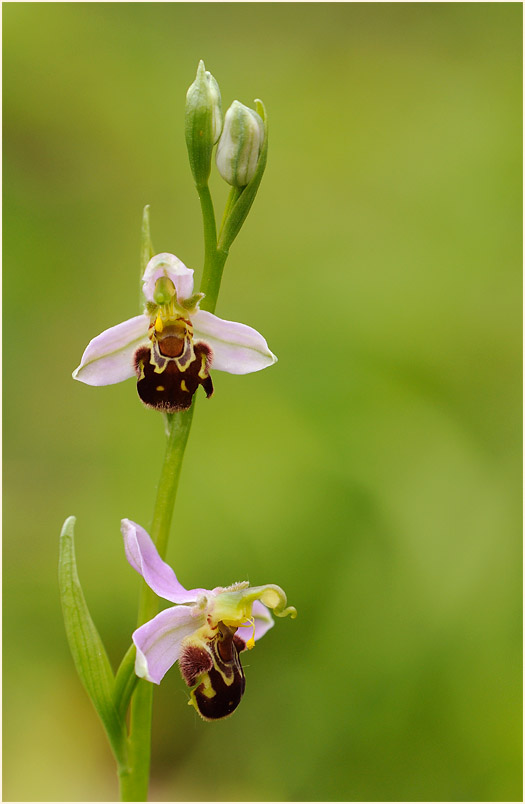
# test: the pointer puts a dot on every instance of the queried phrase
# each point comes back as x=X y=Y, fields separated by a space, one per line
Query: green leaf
x=238 y=207
x=86 y=646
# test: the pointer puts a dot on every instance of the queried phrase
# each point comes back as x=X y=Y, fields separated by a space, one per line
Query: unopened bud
x=203 y=122
x=240 y=145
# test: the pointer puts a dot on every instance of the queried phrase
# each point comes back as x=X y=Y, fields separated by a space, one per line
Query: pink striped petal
x=158 y=641
x=237 y=348
x=108 y=358
x=144 y=558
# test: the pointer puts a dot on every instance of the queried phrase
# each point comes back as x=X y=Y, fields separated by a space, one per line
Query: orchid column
x=171 y=348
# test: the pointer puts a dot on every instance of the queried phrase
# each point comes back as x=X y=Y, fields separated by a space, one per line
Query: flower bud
x=203 y=122
x=240 y=145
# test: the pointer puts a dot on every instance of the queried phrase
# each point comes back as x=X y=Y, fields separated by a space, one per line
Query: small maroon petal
x=141 y=356
x=202 y=348
x=239 y=643
x=207 y=384
x=193 y=662
x=204 y=354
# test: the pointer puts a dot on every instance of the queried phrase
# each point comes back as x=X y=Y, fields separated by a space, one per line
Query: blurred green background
x=374 y=472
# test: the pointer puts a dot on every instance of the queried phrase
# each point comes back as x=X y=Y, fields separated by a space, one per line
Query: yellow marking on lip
x=160 y=388
x=184 y=387
x=202 y=371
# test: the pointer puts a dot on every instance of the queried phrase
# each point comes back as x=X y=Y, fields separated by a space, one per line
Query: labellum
x=213 y=668
x=170 y=370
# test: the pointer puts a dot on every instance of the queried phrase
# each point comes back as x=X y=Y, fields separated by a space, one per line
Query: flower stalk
x=214 y=259
x=134 y=781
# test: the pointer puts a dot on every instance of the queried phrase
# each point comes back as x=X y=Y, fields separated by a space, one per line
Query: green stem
x=134 y=778
x=210 y=233
x=211 y=282
x=214 y=259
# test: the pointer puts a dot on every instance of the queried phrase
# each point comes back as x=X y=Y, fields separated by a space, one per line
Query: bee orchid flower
x=205 y=631
x=172 y=346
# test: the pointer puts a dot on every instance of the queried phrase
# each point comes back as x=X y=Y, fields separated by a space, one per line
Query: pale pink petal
x=158 y=641
x=237 y=348
x=263 y=622
x=144 y=558
x=168 y=265
x=108 y=358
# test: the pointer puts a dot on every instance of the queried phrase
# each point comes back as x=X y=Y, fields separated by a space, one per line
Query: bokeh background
x=374 y=472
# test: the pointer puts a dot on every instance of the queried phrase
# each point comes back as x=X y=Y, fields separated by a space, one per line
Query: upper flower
x=205 y=632
x=173 y=344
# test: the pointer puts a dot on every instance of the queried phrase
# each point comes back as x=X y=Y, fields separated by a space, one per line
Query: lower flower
x=205 y=631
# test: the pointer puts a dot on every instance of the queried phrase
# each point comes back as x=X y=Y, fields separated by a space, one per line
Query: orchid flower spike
x=205 y=631
x=173 y=345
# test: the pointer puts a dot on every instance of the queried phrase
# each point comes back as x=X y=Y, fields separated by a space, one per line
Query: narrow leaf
x=86 y=646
